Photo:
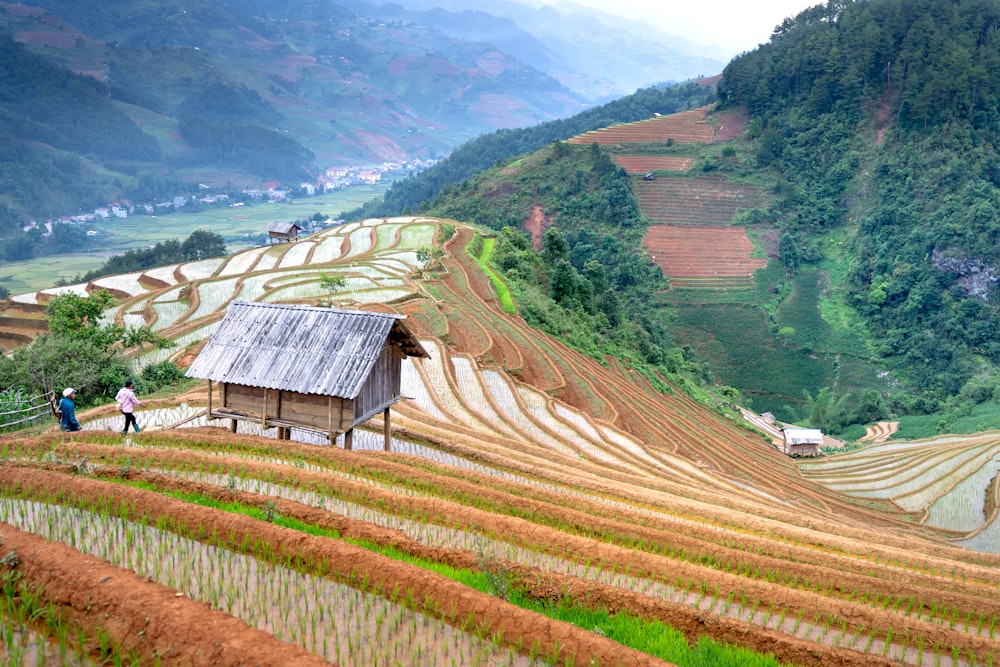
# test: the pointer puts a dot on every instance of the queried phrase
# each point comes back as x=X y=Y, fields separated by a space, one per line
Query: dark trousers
x=130 y=419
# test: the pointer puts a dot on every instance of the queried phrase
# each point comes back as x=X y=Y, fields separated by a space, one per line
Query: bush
x=114 y=377
x=161 y=374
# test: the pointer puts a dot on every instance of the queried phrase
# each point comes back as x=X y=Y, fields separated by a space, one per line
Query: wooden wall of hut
x=382 y=387
x=322 y=413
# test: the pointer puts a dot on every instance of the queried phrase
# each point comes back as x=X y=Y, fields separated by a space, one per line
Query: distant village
x=333 y=178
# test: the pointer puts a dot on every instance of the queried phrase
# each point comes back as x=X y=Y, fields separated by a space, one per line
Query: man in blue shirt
x=67 y=407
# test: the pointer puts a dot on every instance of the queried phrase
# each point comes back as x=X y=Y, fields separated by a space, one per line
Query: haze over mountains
x=593 y=53
x=245 y=91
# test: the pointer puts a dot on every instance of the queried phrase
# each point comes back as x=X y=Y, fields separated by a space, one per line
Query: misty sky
x=733 y=25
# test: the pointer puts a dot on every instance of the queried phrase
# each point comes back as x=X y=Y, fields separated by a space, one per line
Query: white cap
x=68 y=390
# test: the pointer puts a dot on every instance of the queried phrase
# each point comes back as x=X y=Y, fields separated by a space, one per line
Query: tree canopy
x=200 y=244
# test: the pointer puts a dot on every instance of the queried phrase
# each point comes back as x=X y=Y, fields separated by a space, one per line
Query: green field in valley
x=775 y=359
x=138 y=231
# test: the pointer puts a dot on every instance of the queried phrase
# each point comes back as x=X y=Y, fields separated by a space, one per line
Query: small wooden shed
x=320 y=369
x=802 y=441
x=283 y=232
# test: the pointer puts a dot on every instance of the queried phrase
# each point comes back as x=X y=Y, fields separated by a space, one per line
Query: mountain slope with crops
x=530 y=495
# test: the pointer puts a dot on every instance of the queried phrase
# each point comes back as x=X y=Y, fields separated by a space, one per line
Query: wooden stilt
x=232 y=425
x=386 y=430
x=349 y=439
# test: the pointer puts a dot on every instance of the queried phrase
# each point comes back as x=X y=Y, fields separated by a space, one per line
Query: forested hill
x=489 y=149
x=880 y=120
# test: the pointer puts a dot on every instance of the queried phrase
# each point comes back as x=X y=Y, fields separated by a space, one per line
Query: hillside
x=555 y=488
x=416 y=192
x=165 y=96
x=874 y=207
x=679 y=272
x=877 y=120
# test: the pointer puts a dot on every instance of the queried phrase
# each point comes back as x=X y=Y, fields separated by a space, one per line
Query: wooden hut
x=802 y=441
x=321 y=369
x=283 y=232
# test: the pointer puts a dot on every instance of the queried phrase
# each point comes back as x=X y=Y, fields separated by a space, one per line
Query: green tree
x=331 y=283
x=554 y=246
x=820 y=408
x=79 y=350
x=67 y=238
x=564 y=280
x=202 y=244
x=870 y=407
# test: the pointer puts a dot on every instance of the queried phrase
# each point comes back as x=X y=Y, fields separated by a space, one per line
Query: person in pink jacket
x=126 y=403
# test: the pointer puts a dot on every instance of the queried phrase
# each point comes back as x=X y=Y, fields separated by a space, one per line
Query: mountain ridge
x=626 y=56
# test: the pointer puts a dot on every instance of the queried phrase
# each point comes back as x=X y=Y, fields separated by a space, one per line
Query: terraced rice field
x=704 y=201
x=287 y=272
x=519 y=471
x=641 y=164
x=880 y=432
x=949 y=482
x=717 y=257
x=682 y=128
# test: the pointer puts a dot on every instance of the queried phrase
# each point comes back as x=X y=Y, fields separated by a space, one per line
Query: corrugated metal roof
x=304 y=349
x=802 y=436
x=281 y=227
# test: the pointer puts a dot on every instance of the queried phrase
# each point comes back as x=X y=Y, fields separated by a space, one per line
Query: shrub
x=160 y=375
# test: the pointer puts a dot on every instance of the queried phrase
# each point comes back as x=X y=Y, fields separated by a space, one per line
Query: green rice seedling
x=888 y=642
x=215 y=566
x=868 y=641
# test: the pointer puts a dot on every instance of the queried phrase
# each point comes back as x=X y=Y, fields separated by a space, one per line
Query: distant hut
x=282 y=232
x=802 y=441
x=320 y=369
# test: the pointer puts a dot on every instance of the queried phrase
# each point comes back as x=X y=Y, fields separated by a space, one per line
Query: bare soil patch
x=688 y=127
x=729 y=126
x=702 y=252
x=640 y=164
x=535 y=225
